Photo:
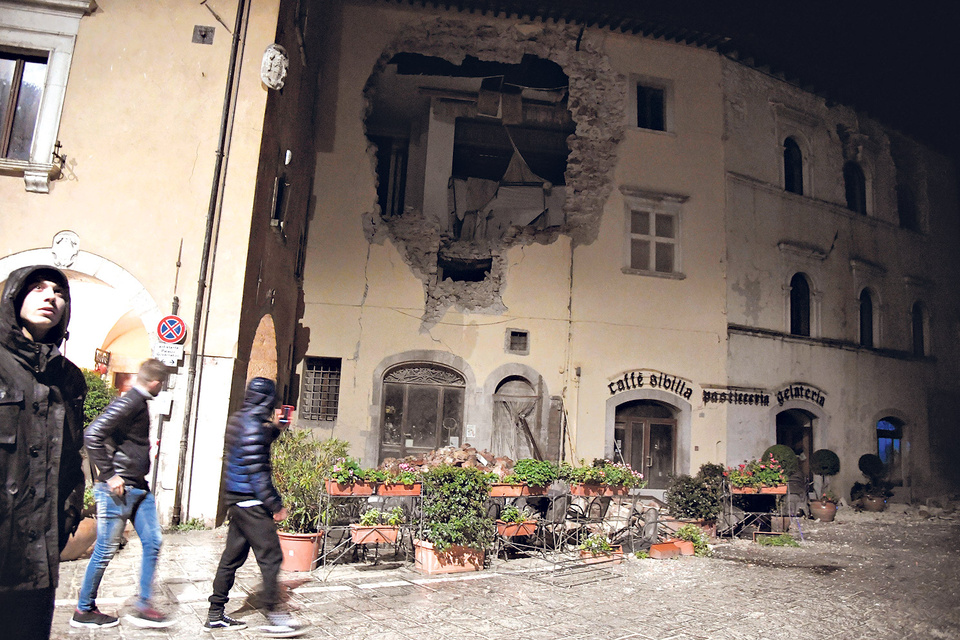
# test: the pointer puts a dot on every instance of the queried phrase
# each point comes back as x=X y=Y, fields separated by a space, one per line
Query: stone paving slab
x=849 y=580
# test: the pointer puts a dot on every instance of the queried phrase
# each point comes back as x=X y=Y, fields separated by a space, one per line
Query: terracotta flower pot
x=506 y=490
x=613 y=557
x=373 y=534
x=823 y=510
x=743 y=490
x=354 y=489
x=873 y=503
x=455 y=559
x=778 y=490
x=81 y=541
x=399 y=489
x=512 y=529
x=300 y=550
x=593 y=490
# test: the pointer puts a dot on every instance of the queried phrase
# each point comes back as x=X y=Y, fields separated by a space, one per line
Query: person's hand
x=116 y=485
x=281 y=515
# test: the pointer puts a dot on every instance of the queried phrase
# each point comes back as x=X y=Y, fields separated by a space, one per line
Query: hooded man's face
x=42 y=308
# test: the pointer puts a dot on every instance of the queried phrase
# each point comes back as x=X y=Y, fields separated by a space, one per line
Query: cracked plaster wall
x=596 y=102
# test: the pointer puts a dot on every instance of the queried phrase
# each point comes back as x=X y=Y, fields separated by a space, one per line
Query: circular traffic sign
x=172 y=329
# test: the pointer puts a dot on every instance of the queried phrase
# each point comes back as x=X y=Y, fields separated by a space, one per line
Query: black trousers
x=250 y=528
x=27 y=614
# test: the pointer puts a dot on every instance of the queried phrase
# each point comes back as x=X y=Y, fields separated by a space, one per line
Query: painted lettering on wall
x=801 y=392
x=736 y=397
x=651 y=380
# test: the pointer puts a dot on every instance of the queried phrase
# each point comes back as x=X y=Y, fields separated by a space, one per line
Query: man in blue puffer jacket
x=253 y=506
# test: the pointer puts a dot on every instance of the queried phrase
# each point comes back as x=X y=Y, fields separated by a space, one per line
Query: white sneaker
x=280 y=624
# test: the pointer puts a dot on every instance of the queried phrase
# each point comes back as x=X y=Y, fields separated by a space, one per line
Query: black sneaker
x=92 y=618
x=150 y=617
x=224 y=622
x=281 y=624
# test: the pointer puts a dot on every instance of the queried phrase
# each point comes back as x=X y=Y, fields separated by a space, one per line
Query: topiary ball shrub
x=872 y=466
x=693 y=498
x=784 y=455
x=824 y=462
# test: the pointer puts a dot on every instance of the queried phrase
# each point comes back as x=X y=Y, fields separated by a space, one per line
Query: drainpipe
x=204 y=261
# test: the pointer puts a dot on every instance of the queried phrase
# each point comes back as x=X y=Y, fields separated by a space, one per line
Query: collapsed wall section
x=461 y=268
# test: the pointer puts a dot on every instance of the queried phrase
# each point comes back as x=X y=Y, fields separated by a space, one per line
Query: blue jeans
x=113 y=512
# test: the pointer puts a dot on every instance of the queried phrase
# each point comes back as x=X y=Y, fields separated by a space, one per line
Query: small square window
x=518 y=341
x=320 y=396
x=651 y=108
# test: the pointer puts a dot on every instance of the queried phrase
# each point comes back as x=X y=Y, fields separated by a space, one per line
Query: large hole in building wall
x=469 y=157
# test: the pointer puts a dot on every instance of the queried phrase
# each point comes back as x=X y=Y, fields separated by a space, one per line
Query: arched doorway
x=517 y=432
x=645 y=435
x=422 y=409
x=795 y=430
x=263 y=351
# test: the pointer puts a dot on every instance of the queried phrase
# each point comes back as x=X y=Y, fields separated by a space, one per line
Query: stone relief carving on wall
x=273 y=68
x=65 y=248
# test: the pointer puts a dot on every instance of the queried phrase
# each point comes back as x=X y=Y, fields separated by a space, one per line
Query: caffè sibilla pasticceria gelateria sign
x=762 y=398
x=647 y=379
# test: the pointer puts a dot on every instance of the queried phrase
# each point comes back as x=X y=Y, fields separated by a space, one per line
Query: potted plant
x=873 y=495
x=402 y=479
x=346 y=477
x=455 y=529
x=99 y=395
x=824 y=508
x=601 y=478
x=597 y=548
x=377 y=527
x=515 y=522
x=697 y=499
x=300 y=465
x=757 y=476
x=823 y=463
x=530 y=477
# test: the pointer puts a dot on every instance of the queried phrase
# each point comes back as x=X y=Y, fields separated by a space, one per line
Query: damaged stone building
x=544 y=231
x=561 y=241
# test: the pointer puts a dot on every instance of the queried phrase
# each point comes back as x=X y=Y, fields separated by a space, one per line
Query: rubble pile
x=465 y=455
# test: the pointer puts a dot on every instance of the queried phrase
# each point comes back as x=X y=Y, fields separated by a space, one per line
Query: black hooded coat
x=41 y=434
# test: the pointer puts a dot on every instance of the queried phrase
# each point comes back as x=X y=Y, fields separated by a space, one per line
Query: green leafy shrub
x=602 y=472
x=99 y=395
x=372 y=517
x=877 y=485
x=454 y=508
x=536 y=473
x=823 y=463
x=597 y=544
x=782 y=540
x=300 y=467
x=193 y=524
x=693 y=533
x=346 y=470
x=513 y=514
x=784 y=456
x=696 y=497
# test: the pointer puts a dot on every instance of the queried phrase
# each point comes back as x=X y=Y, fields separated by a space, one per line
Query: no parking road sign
x=172 y=330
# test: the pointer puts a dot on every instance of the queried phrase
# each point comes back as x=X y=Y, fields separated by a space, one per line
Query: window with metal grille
x=320 y=396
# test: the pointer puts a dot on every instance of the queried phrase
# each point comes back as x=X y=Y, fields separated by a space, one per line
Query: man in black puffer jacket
x=254 y=507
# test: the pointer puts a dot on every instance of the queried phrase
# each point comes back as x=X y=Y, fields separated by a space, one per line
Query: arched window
x=918 y=322
x=422 y=409
x=907 y=208
x=889 y=437
x=866 y=318
x=792 y=167
x=799 y=305
x=856 y=187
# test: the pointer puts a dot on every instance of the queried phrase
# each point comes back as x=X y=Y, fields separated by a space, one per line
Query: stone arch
x=108 y=272
x=263 y=351
x=683 y=412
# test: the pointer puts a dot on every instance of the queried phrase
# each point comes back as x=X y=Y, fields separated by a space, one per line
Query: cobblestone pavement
x=870 y=576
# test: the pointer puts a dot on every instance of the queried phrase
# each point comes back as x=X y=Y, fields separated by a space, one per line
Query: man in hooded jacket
x=254 y=508
x=41 y=434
